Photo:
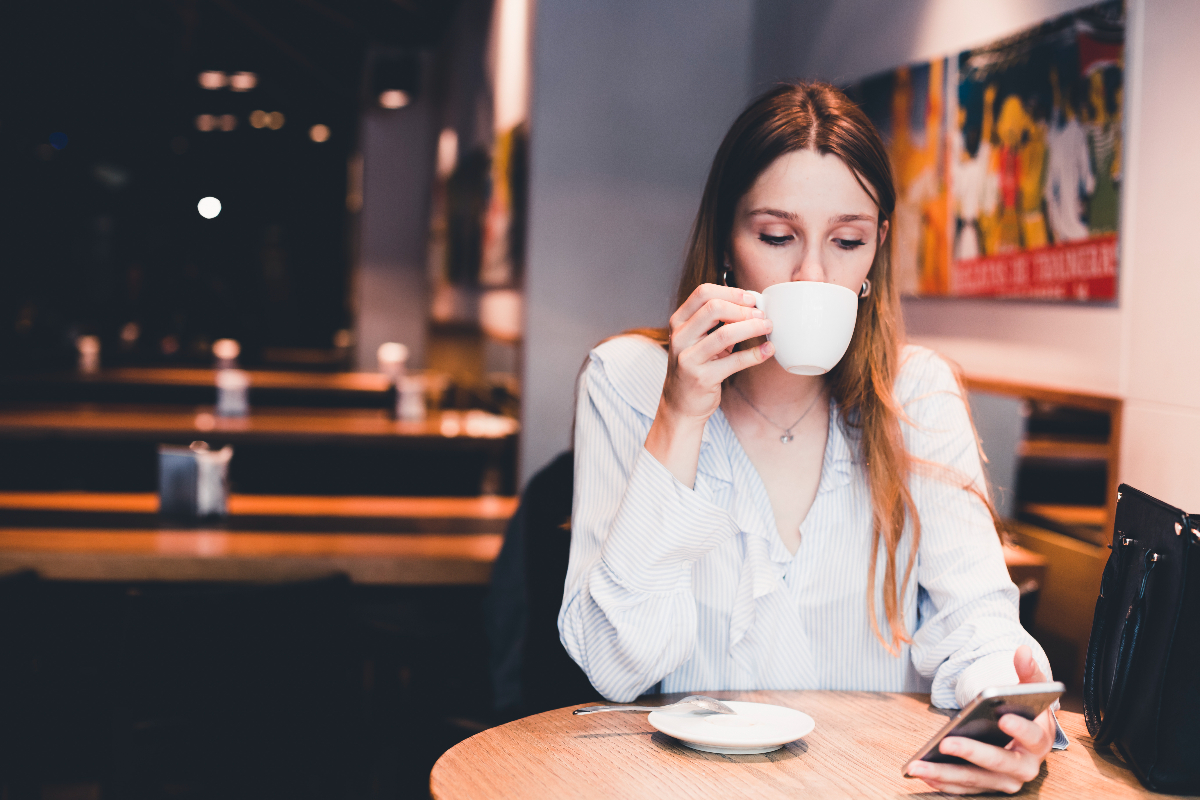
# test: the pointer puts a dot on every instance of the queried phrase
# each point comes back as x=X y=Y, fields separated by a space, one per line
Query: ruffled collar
x=765 y=558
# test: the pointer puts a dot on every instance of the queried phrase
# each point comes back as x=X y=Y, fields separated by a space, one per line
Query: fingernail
x=757 y=314
x=767 y=349
x=948 y=747
x=748 y=298
x=917 y=769
x=768 y=325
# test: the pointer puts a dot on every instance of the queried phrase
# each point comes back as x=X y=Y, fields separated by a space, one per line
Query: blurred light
x=509 y=48
x=259 y=118
x=209 y=207
x=179 y=145
x=45 y=151
x=395 y=78
x=391 y=357
x=447 y=152
x=450 y=425
x=343 y=338
x=275 y=120
x=393 y=98
x=228 y=122
x=206 y=122
x=58 y=140
x=226 y=349
x=169 y=345
x=89 y=353
x=205 y=421
x=243 y=81
x=212 y=79
x=130 y=332
x=319 y=133
x=500 y=314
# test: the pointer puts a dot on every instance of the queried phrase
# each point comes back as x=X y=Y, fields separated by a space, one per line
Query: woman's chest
x=828 y=567
x=788 y=468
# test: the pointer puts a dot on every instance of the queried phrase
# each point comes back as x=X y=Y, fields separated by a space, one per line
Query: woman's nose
x=810 y=267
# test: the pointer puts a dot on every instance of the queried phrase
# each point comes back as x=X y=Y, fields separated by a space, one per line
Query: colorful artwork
x=1018 y=191
x=908 y=106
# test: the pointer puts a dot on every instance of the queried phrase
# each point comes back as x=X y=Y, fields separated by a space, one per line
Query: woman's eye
x=775 y=241
x=849 y=244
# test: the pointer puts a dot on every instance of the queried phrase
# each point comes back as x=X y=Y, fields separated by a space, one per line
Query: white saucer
x=756 y=728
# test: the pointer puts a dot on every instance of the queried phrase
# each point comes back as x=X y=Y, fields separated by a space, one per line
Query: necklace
x=787 y=432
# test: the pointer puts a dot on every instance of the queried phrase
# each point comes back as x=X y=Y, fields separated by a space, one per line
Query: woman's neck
x=770 y=387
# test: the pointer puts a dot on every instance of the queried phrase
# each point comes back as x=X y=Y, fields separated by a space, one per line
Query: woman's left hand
x=997 y=769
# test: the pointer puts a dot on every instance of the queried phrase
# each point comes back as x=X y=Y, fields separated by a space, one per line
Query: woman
x=715 y=545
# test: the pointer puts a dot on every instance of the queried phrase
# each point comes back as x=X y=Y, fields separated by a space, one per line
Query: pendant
x=787 y=437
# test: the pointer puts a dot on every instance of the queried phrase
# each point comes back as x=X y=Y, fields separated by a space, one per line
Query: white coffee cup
x=811 y=324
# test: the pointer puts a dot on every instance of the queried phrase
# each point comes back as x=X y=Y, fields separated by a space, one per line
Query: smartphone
x=980 y=720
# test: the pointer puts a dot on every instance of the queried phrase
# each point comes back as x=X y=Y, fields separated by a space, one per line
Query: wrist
x=674 y=424
x=674 y=440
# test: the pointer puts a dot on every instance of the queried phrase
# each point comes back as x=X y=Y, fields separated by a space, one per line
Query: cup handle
x=760 y=302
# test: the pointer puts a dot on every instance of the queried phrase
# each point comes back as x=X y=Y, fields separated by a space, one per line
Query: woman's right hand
x=699 y=359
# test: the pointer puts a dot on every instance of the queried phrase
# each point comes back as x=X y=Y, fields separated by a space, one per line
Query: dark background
x=104 y=230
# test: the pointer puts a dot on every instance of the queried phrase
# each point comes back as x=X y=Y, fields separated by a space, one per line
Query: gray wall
x=843 y=40
x=630 y=100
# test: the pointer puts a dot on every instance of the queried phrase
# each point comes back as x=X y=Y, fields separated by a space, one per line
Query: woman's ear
x=883 y=232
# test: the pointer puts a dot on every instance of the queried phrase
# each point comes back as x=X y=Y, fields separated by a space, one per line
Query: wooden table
x=198 y=376
x=398 y=541
x=857 y=750
x=357 y=426
x=197 y=385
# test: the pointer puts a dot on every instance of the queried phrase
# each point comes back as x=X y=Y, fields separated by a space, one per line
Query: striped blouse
x=693 y=587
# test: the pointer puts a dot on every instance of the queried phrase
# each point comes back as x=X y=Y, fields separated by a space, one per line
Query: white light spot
x=243 y=81
x=393 y=98
x=213 y=79
x=209 y=207
x=447 y=152
x=226 y=349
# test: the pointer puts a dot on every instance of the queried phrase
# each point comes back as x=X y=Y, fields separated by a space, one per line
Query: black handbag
x=1141 y=685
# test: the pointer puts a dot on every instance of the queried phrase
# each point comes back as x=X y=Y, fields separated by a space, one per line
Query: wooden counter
x=220 y=555
x=195 y=385
x=399 y=541
x=360 y=427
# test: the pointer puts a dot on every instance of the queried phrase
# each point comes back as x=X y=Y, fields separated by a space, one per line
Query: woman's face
x=805 y=219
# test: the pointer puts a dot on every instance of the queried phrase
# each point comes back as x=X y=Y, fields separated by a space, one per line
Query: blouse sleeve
x=967 y=604
x=629 y=615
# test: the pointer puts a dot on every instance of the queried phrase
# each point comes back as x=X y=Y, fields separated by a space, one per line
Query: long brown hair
x=816 y=116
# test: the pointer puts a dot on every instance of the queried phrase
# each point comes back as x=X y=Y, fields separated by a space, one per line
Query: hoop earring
x=726 y=273
x=865 y=291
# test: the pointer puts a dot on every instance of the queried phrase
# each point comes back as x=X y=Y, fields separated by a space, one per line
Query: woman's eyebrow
x=835 y=220
x=775 y=212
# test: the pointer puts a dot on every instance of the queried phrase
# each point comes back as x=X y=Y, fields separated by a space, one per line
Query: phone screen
x=980 y=720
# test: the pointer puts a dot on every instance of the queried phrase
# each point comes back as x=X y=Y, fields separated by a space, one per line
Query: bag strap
x=1111 y=721
x=1098 y=641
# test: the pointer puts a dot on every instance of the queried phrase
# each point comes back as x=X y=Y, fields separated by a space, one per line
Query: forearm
x=674 y=441
x=626 y=641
